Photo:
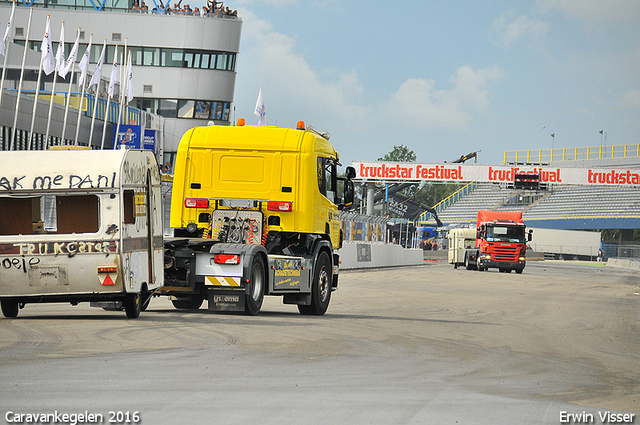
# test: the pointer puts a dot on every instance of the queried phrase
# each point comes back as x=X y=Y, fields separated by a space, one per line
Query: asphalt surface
x=414 y=345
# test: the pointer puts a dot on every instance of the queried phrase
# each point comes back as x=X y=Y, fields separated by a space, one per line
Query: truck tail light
x=226 y=259
x=279 y=206
x=196 y=203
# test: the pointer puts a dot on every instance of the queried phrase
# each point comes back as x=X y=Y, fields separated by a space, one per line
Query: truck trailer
x=566 y=244
x=255 y=211
x=80 y=226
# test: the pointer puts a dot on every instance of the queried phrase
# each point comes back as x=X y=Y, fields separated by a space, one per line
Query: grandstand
x=563 y=207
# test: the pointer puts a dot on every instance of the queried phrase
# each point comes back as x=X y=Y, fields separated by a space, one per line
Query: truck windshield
x=505 y=234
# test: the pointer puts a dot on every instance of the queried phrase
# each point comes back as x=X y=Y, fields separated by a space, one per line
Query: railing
x=572 y=154
x=367 y=228
x=446 y=202
x=129 y=114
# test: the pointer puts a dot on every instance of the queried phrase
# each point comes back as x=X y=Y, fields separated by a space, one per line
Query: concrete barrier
x=361 y=255
x=624 y=263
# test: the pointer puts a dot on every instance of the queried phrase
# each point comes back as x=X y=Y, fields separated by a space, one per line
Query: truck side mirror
x=350 y=173
x=348 y=194
x=530 y=235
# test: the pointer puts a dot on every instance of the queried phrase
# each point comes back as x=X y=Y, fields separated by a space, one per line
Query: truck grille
x=505 y=254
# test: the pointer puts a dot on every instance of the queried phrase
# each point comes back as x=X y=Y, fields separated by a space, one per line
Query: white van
x=78 y=226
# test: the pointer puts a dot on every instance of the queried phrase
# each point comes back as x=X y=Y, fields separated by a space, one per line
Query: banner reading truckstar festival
x=393 y=171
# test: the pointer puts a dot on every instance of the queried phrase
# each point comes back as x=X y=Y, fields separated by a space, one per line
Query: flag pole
x=24 y=58
x=6 y=36
x=95 y=103
x=53 y=89
x=81 y=81
x=122 y=91
x=70 y=64
x=114 y=76
x=35 y=104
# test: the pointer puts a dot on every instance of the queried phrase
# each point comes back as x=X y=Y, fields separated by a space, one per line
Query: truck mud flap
x=226 y=300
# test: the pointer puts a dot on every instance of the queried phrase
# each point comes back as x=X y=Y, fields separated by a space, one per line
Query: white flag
x=71 y=60
x=84 y=63
x=48 y=61
x=7 y=33
x=114 y=73
x=96 y=72
x=60 y=62
x=129 y=79
x=259 y=111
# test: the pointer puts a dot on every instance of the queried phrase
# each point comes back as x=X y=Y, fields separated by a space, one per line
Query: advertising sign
x=150 y=140
x=128 y=137
x=456 y=173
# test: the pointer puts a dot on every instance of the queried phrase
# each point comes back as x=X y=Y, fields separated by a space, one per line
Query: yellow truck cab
x=255 y=211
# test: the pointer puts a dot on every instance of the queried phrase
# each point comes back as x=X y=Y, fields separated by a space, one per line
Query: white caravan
x=80 y=226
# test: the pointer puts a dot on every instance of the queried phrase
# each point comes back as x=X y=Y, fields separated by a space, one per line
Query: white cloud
x=596 y=12
x=270 y=59
x=418 y=102
x=331 y=98
x=509 y=29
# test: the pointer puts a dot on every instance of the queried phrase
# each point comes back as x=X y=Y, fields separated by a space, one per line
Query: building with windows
x=184 y=66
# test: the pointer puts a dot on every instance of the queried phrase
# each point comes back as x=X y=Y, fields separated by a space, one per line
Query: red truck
x=501 y=242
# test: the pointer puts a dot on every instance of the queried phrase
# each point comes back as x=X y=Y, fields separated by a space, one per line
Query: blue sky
x=444 y=78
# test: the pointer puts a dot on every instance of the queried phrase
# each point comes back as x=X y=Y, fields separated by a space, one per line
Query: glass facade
x=155 y=56
x=189 y=109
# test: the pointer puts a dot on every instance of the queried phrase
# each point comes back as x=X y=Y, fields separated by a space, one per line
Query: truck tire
x=9 y=308
x=133 y=305
x=188 y=303
x=255 y=287
x=467 y=263
x=320 y=288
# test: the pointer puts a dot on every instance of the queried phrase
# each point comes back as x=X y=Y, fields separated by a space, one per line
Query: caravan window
x=129 y=207
x=49 y=214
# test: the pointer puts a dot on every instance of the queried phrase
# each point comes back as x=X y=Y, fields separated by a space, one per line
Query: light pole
x=553 y=140
x=601 y=133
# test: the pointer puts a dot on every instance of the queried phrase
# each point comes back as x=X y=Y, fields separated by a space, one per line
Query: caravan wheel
x=133 y=305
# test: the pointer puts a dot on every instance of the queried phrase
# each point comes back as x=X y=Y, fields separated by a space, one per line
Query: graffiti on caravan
x=59 y=181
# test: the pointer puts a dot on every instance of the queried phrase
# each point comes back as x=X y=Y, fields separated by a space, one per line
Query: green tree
x=400 y=154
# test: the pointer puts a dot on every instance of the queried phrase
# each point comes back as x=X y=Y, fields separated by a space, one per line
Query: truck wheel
x=9 y=308
x=133 y=305
x=519 y=271
x=467 y=263
x=188 y=303
x=320 y=288
x=255 y=288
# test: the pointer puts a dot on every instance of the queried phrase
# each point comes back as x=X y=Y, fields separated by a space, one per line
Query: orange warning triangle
x=108 y=281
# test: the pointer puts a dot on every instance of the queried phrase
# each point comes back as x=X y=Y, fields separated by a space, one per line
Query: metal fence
x=363 y=228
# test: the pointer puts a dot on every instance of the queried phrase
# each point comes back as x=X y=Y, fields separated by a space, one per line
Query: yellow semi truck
x=255 y=212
